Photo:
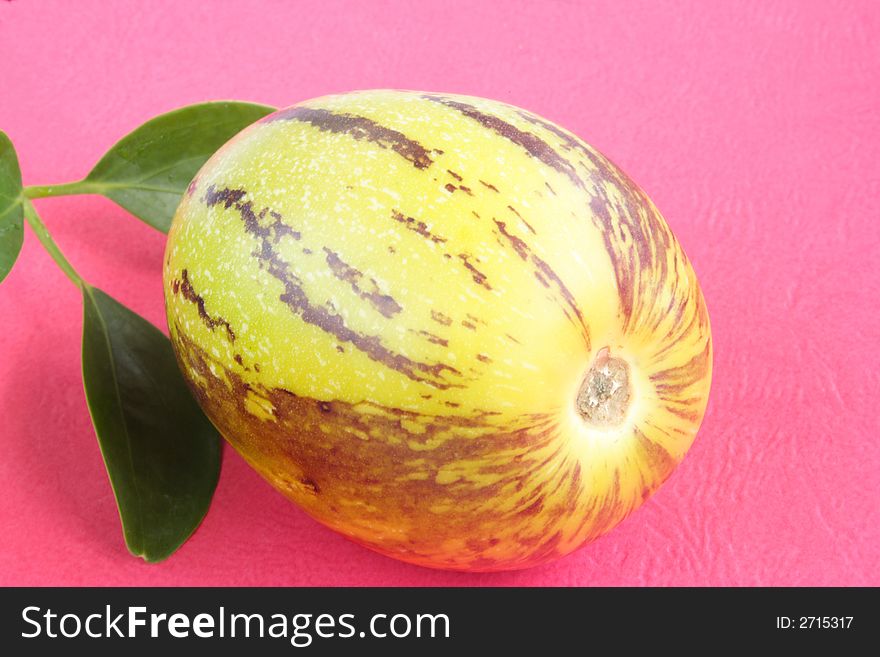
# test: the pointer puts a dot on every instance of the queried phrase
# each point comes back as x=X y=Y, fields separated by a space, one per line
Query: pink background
x=754 y=127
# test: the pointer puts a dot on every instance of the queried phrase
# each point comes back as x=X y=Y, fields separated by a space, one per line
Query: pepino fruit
x=442 y=325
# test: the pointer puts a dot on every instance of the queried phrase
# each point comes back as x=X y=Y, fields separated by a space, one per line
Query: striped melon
x=442 y=325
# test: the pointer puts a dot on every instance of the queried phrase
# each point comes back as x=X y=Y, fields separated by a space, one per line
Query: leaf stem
x=48 y=243
x=61 y=189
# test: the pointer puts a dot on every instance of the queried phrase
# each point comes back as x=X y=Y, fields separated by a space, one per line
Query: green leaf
x=161 y=452
x=11 y=222
x=148 y=170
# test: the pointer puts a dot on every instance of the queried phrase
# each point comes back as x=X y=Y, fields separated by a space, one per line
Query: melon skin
x=388 y=303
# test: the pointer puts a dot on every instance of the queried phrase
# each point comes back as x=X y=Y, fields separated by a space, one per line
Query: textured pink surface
x=754 y=126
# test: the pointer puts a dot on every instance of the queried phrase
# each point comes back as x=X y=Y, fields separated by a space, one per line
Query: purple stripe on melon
x=185 y=287
x=383 y=303
x=358 y=127
x=534 y=145
x=641 y=258
x=544 y=273
x=297 y=300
